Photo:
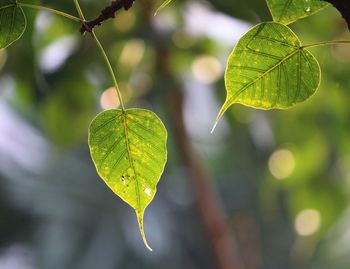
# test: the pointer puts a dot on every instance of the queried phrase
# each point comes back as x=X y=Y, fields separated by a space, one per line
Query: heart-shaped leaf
x=270 y=69
x=12 y=22
x=287 y=11
x=129 y=151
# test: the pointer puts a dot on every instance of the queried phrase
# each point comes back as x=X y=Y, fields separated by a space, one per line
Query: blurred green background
x=267 y=190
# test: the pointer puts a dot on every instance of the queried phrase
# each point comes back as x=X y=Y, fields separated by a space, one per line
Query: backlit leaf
x=269 y=69
x=129 y=152
x=287 y=11
x=12 y=23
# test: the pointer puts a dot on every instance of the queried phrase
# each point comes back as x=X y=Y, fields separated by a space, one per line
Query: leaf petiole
x=51 y=10
x=78 y=8
x=333 y=42
x=110 y=69
x=104 y=55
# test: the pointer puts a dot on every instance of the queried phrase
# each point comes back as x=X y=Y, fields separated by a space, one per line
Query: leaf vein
x=111 y=149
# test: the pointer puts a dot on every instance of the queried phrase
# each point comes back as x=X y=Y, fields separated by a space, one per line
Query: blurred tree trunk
x=210 y=209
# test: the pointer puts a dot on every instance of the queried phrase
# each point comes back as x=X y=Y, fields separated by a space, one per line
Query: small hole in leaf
x=148 y=191
x=124 y=179
x=308 y=9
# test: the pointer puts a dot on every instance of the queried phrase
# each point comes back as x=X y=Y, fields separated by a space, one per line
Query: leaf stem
x=51 y=10
x=108 y=63
x=104 y=55
x=333 y=42
x=80 y=12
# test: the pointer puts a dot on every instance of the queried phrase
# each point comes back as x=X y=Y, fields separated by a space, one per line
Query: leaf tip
x=219 y=116
x=165 y=3
x=139 y=216
x=215 y=124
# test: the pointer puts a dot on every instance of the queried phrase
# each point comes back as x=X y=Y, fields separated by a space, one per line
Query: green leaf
x=129 y=152
x=12 y=23
x=287 y=11
x=165 y=3
x=269 y=69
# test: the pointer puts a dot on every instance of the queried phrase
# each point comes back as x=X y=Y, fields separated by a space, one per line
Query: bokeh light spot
x=132 y=53
x=183 y=40
x=281 y=163
x=207 y=69
x=109 y=99
x=307 y=222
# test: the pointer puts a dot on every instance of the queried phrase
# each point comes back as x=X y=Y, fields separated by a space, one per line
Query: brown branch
x=106 y=14
x=246 y=228
x=210 y=209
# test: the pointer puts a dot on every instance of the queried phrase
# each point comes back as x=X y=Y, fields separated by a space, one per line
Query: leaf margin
x=15 y=5
x=296 y=18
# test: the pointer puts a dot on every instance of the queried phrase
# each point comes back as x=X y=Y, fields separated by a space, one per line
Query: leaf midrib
x=126 y=133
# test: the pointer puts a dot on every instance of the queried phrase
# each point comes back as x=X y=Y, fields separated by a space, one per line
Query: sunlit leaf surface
x=129 y=152
x=12 y=23
x=270 y=69
x=287 y=11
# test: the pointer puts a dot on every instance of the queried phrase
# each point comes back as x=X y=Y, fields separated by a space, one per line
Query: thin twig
x=51 y=10
x=106 y=14
x=104 y=55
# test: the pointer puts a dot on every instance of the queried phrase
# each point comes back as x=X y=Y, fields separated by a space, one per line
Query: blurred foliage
x=58 y=207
